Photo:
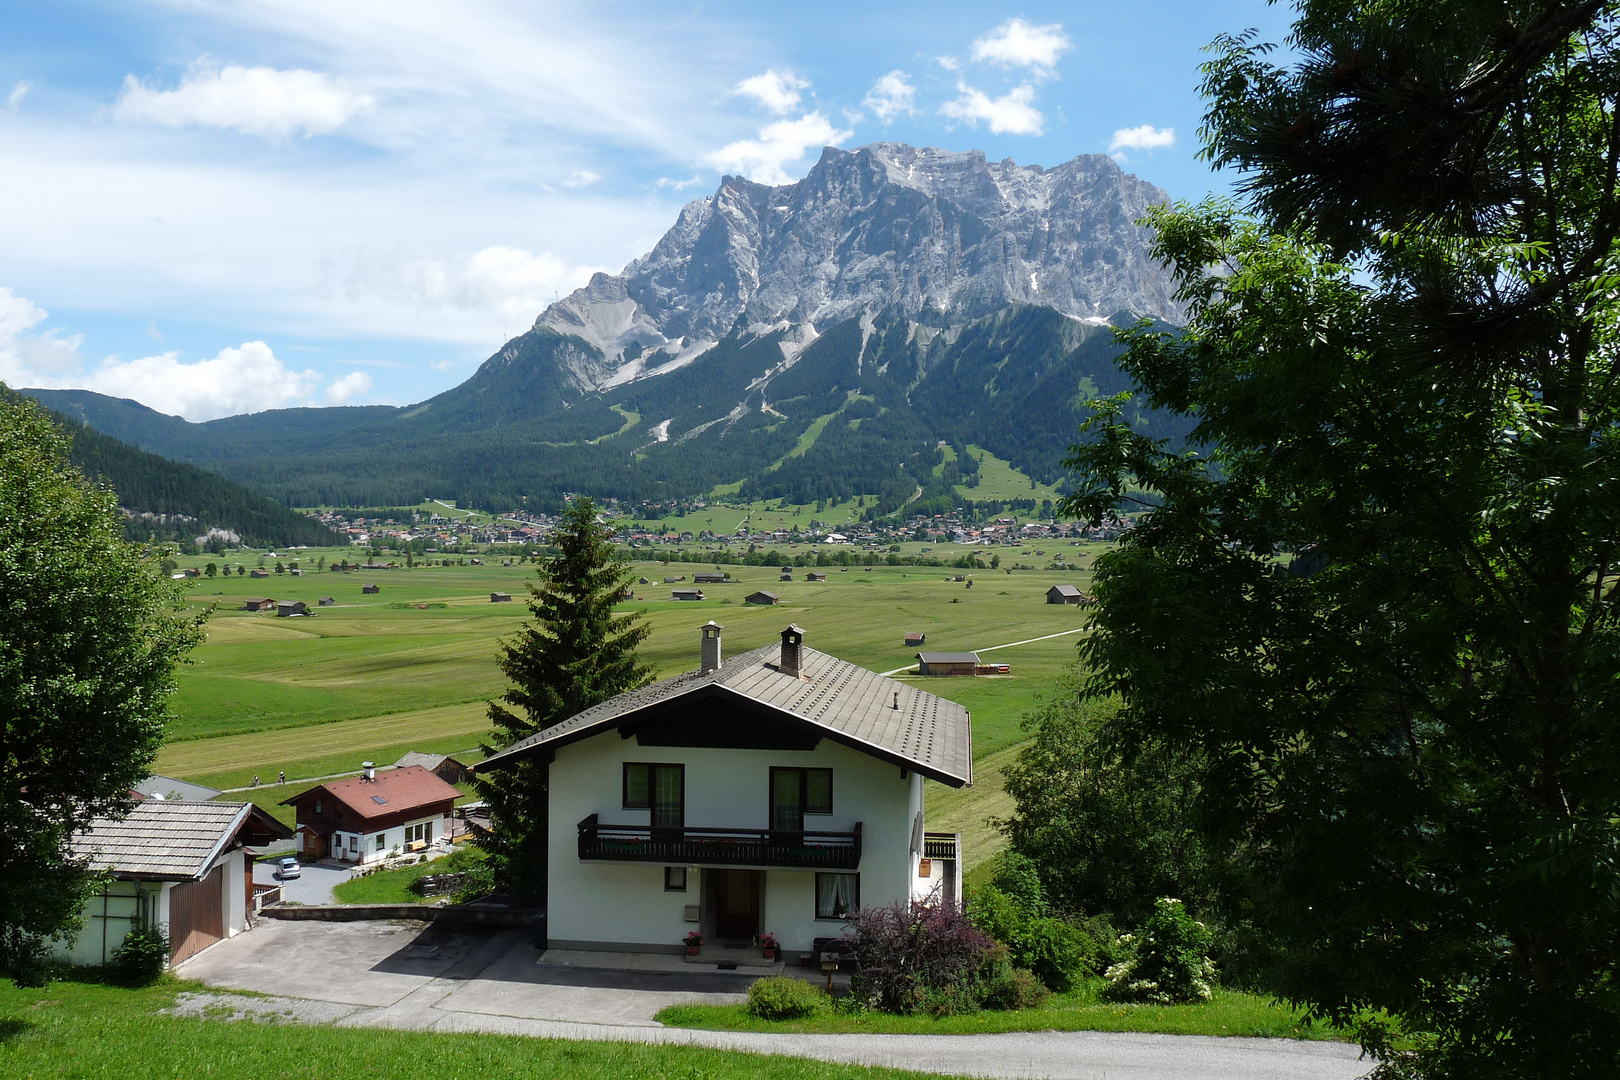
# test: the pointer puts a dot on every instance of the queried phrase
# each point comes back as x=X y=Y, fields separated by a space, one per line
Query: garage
x=196 y=915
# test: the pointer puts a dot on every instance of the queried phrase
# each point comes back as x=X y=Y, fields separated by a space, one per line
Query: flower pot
x=769 y=954
x=691 y=950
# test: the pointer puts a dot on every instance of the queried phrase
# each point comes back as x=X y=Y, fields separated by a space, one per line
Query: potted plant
x=768 y=945
x=694 y=942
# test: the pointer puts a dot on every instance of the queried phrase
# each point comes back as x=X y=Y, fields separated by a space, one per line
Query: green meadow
x=412 y=666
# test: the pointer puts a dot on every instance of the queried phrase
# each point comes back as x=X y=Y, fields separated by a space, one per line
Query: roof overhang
x=700 y=692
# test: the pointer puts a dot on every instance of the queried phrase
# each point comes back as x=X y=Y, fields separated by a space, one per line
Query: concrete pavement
x=314 y=884
x=408 y=976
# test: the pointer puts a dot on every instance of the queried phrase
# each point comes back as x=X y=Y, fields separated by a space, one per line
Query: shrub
x=781 y=997
x=1014 y=988
x=140 y=959
x=1055 y=950
x=914 y=954
x=1169 y=962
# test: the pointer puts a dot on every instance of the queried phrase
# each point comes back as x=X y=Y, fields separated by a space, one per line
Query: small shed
x=947 y=663
x=814 y=576
x=1066 y=594
x=643 y=581
x=369 y=589
x=257 y=572
x=787 y=570
x=500 y=597
x=762 y=597
x=285 y=608
x=443 y=766
x=687 y=593
x=708 y=579
x=916 y=639
x=257 y=603
x=327 y=601
x=673 y=580
x=785 y=577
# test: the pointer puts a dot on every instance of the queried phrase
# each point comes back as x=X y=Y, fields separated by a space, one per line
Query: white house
x=771 y=793
x=373 y=815
x=174 y=865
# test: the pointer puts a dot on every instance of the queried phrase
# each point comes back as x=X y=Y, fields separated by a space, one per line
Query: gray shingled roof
x=161 y=840
x=850 y=704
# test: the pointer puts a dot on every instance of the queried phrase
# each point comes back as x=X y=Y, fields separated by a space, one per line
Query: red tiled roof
x=401 y=789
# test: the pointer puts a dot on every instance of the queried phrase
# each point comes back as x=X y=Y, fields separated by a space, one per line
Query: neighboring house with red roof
x=365 y=818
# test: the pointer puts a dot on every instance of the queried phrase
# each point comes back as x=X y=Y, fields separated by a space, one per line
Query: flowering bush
x=767 y=940
x=1168 y=962
x=694 y=940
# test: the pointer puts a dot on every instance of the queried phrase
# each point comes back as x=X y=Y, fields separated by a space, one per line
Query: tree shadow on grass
x=12 y=1029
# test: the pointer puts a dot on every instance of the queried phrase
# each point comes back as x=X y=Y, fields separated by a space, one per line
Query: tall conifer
x=574 y=654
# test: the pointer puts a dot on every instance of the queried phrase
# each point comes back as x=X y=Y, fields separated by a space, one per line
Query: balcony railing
x=719 y=847
x=941 y=845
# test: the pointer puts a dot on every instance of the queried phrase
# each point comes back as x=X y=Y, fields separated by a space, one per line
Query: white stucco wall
x=625 y=903
x=235 y=864
x=342 y=846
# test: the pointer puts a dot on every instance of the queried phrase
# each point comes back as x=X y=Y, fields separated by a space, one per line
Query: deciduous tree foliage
x=90 y=630
x=575 y=654
x=1379 y=599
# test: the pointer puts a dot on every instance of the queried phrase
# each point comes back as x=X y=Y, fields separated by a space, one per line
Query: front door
x=736 y=903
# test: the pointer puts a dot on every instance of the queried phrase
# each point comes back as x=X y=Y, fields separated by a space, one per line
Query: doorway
x=736 y=903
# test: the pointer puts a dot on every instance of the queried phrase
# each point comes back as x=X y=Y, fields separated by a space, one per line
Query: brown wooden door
x=737 y=904
x=196 y=915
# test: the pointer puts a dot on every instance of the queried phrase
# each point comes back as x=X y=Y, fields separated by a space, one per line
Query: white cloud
x=15 y=98
x=1017 y=43
x=23 y=353
x=949 y=63
x=890 y=96
x=509 y=282
x=341 y=390
x=1013 y=113
x=256 y=101
x=581 y=178
x=153 y=332
x=775 y=90
x=1146 y=137
x=678 y=185
x=785 y=141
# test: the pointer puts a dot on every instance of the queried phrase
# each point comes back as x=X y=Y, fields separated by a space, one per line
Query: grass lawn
x=1230 y=1013
x=85 y=1030
x=393 y=886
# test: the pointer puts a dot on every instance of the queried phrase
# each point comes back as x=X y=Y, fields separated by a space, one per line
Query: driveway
x=313 y=886
x=409 y=976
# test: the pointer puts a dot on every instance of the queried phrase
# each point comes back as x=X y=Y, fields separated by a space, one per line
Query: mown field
x=377 y=675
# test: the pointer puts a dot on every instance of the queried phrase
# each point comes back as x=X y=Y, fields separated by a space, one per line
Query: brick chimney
x=791 y=662
x=711 y=646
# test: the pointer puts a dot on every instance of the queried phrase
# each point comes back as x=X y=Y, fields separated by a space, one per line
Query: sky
x=221 y=208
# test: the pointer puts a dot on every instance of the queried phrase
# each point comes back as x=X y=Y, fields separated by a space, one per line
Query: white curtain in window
x=836 y=895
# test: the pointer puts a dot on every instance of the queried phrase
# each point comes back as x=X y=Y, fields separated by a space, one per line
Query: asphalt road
x=313 y=885
x=407 y=976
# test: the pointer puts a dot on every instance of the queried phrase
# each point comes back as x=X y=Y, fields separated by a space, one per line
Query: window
x=837 y=895
x=674 y=879
x=417 y=832
x=382 y=841
x=797 y=792
x=317 y=805
x=659 y=788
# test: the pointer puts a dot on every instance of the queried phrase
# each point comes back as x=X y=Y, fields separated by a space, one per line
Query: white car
x=288 y=868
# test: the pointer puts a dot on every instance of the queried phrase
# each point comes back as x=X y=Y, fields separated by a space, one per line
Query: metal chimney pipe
x=711 y=646
x=791 y=661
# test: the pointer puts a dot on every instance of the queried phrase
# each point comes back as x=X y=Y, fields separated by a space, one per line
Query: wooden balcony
x=942 y=845
x=718 y=847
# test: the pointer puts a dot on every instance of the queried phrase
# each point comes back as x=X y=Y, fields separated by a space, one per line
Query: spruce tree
x=574 y=654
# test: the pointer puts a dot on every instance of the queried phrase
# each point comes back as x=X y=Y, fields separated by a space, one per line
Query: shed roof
x=427 y=761
x=1066 y=590
x=846 y=703
x=161 y=840
x=400 y=790
x=167 y=787
x=948 y=657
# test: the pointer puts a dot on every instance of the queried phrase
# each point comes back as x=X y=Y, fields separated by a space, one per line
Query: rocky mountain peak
x=944 y=237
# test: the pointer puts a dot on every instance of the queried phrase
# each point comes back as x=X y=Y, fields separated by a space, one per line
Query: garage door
x=196 y=915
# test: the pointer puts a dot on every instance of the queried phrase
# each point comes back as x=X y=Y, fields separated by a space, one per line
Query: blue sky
x=219 y=208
